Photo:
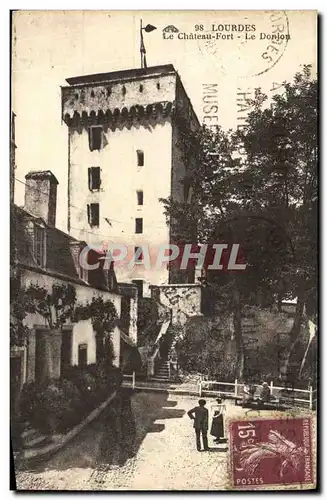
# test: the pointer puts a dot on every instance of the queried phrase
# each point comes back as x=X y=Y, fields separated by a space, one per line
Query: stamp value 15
x=270 y=452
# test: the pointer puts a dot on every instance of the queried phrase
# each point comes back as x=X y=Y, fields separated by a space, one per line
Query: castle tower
x=124 y=154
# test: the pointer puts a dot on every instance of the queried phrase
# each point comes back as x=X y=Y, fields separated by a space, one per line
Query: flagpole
x=148 y=28
x=141 y=42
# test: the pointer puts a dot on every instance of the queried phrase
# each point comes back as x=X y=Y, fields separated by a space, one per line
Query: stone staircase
x=164 y=370
x=162 y=373
x=32 y=438
x=249 y=326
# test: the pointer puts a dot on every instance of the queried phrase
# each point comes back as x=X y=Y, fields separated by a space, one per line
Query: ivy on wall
x=57 y=307
x=104 y=318
x=20 y=306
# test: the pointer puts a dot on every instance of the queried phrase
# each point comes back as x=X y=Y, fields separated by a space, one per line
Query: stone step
x=155 y=378
x=30 y=433
x=163 y=369
x=35 y=440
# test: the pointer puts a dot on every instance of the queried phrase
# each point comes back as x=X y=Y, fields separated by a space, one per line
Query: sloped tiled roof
x=59 y=258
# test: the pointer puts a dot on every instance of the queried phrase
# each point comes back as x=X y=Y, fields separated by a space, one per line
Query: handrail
x=239 y=384
x=204 y=384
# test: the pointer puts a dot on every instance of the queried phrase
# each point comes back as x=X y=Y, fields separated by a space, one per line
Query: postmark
x=247 y=48
x=271 y=452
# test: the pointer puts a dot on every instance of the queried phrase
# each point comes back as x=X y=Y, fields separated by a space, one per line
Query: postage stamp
x=163 y=250
x=271 y=452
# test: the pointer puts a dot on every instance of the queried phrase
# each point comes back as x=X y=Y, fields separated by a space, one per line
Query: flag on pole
x=148 y=28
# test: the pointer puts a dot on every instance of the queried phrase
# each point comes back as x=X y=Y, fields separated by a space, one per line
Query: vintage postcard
x=163 y=273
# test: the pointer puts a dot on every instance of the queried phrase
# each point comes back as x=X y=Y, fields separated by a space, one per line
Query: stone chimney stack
x=41 y=195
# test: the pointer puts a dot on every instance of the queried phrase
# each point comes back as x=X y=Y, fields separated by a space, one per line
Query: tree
x=216 y=214
x=210 y=168
x=264 y=199
x=280 y=181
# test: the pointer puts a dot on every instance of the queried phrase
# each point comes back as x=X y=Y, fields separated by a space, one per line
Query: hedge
x=55 y=406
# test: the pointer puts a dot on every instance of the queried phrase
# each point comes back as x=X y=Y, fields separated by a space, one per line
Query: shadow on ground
x=216 y=450
x=117 y=434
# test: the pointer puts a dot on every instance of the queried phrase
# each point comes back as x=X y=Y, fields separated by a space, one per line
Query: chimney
x=75 y=249
x=41 y=195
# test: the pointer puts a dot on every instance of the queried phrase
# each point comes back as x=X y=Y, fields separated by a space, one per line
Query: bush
x=207 y=348
x=74 y=408
x=51 y=408
x=104 y=382
x=59 y=405
x=28 y=400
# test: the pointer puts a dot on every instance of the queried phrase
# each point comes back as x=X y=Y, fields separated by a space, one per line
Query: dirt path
x=158 y=452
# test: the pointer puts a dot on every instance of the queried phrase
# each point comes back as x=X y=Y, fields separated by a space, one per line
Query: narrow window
x=158 y=86
x=39 y=245
x=138 y=225
x=139 y=197
x=82 y=355
x=93 y=214
x=141 y=88
x=139 y=284
x=140 y=158
x=124 y=90
x=138 y=254
x=94 y=178
x=95 y=138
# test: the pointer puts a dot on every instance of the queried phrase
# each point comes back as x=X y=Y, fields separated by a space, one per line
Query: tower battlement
x=130 y=94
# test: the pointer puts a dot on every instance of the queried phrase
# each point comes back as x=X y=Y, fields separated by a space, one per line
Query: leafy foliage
x=102 y=313
x=104 y=318
x=20 y=305
x=207 y=348
x=56 y=306
x=265 y=199
x=59 y=405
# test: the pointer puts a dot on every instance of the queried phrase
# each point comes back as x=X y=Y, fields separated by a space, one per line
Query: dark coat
x=265 y=394
x=200 y=416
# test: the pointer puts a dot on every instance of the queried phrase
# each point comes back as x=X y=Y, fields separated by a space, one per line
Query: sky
x=50 y=46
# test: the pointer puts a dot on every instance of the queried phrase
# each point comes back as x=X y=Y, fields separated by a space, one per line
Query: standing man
x=200 y=416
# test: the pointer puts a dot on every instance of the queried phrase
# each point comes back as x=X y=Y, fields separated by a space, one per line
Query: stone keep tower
x=124 y=154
